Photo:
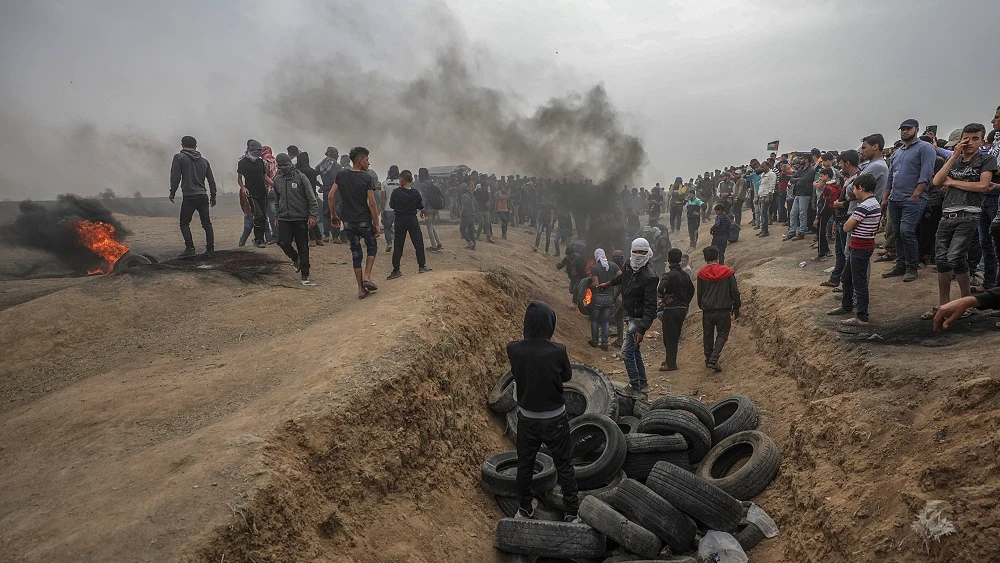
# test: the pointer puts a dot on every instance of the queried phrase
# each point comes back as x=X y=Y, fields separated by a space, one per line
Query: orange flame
x=99 y=237
x=588 y=297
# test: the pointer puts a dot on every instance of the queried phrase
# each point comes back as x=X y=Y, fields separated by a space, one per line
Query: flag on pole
x=773 y=145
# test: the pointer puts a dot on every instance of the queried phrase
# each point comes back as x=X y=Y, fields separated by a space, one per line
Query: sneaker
x=321 y=243
x=765 y=234
x=894 y=272
x=572 y=519
x=557 y=254
x=295 y=264
x=547 y=254
x=424 y=270
x=535 y=249
x=307 y=283
x=260 y=244
x=592 y=343
x=604 y=347
x=838 y=290
x=209 y=254
x=187 y=253
x=828 y=283
x=525 y=514
x=395 y=274
x=617 y=343
x=911 y=275
x=644 y=389
x=713 y=366
x=838 y=311
x=800 y=237
x=854 y=321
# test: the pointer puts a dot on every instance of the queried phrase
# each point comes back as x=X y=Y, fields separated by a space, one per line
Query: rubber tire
x=601 y=471
x=640 y=409
x=663 y=422
x=703 y=502
x=638 y=466
x=651 y=511
x=554 y=498
x=626 y=405
x=754 y=476
x=511 y=427
x=499 y=480
x=732 y=415
x=579 y=293
x=639 y=443
x=632 y=559
x=549 y=539
x=508 y=505
x=501 y=397
x=628 y=424
x=630 y=535
x=750 y=536
x=596 y=388
x=686 y=403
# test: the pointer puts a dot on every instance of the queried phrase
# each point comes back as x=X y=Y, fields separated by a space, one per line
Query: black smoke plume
x=52 y=229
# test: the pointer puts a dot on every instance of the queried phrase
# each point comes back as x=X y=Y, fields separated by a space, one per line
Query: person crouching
x=297 y=213
x=540 y=367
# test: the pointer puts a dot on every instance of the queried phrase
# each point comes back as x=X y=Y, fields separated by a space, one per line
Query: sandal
x=854 y=321
x=369 y=286
x=929 y=314
x=366 y=293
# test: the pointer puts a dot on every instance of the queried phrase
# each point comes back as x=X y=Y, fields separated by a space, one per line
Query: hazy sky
x=97 y=94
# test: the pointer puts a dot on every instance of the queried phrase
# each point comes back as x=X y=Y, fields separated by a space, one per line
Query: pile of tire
x=653 y=477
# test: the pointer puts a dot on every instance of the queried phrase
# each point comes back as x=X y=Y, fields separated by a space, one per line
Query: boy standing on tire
x=540 y=367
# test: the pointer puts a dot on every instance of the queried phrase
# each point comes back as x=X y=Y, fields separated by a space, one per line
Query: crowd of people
x=935 y=199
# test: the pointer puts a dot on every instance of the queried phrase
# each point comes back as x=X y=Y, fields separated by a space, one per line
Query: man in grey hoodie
x=189 y=172
x=298 y=212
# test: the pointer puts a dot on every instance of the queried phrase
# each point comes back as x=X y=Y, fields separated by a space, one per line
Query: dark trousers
x=408 y=224
x=782 y=202
x=765 y=213
x=547 y=227
x=986 y=240
x=927 y=232
x=693 y=223
x=258 y=205
x=554 y=433
x=676 y=213
x=190 y=204
x=840 y=247
x=721 y=243
x=673 y=321
x=504 y=221
x=855 y=281
x=716 y=325
x=824 y=228
x=297 y=232
x=467 y=228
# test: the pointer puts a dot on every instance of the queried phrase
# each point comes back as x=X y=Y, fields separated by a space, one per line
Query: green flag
x=773 y=145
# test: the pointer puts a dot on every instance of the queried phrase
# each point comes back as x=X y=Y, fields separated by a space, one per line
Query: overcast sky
x=97 y=94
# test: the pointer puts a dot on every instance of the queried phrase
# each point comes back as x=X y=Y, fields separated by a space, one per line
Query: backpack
x=435 y=199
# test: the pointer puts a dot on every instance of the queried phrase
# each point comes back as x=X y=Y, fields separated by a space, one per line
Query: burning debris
x=81 y=233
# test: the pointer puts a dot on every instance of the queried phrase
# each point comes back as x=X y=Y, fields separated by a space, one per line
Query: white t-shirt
x=389 y=186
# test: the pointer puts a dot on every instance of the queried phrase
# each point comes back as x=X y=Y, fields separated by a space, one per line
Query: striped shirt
x=868 y=214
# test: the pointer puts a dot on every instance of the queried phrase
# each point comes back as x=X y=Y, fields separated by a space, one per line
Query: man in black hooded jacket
x=540 y=367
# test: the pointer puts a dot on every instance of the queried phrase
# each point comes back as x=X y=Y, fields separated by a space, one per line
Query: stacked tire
x=652 y=476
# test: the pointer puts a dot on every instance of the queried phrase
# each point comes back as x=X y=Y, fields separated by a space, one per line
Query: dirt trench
x=394 y=476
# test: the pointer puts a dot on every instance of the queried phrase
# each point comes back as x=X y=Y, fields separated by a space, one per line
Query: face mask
x=287 y=171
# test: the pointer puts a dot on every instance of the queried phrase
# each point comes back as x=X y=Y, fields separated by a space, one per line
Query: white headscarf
x=601 y=257
x=639 y=260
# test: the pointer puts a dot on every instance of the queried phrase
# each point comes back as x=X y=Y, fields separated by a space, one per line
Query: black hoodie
x=540 y=366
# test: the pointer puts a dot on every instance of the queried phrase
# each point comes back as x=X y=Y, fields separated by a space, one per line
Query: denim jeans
x=986 y=240
x=431 y=221
x=600 y=323
x=953 y=242
x=905 y=216
x=484 y=225
x=388 y=220
x=548 y=235
x=798 y=219
x=765 y=214
x=855 y=279
x=247 y=228
x=841 y=244
x=632 y=355
x=356 y=233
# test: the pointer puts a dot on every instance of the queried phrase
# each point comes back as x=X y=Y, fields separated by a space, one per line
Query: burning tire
x=582 y=295
x=130 y=260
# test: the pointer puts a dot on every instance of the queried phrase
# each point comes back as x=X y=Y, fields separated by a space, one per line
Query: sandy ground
x=187 y=415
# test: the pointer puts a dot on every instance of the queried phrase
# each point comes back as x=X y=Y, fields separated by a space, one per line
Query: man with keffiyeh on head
x=602 y=301
x=639 y=302
x=252 y=176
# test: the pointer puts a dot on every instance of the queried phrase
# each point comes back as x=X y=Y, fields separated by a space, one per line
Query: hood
x=539 y=320
x=193 y=154
x=714 y=273
x=302 y=160
x=393 y=172
x=423 y=174
x=332 y=152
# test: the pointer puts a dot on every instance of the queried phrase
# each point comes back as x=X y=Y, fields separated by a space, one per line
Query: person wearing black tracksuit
x=540 y=367
x=297 y=213
x=675 y=292
x=405 y=202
